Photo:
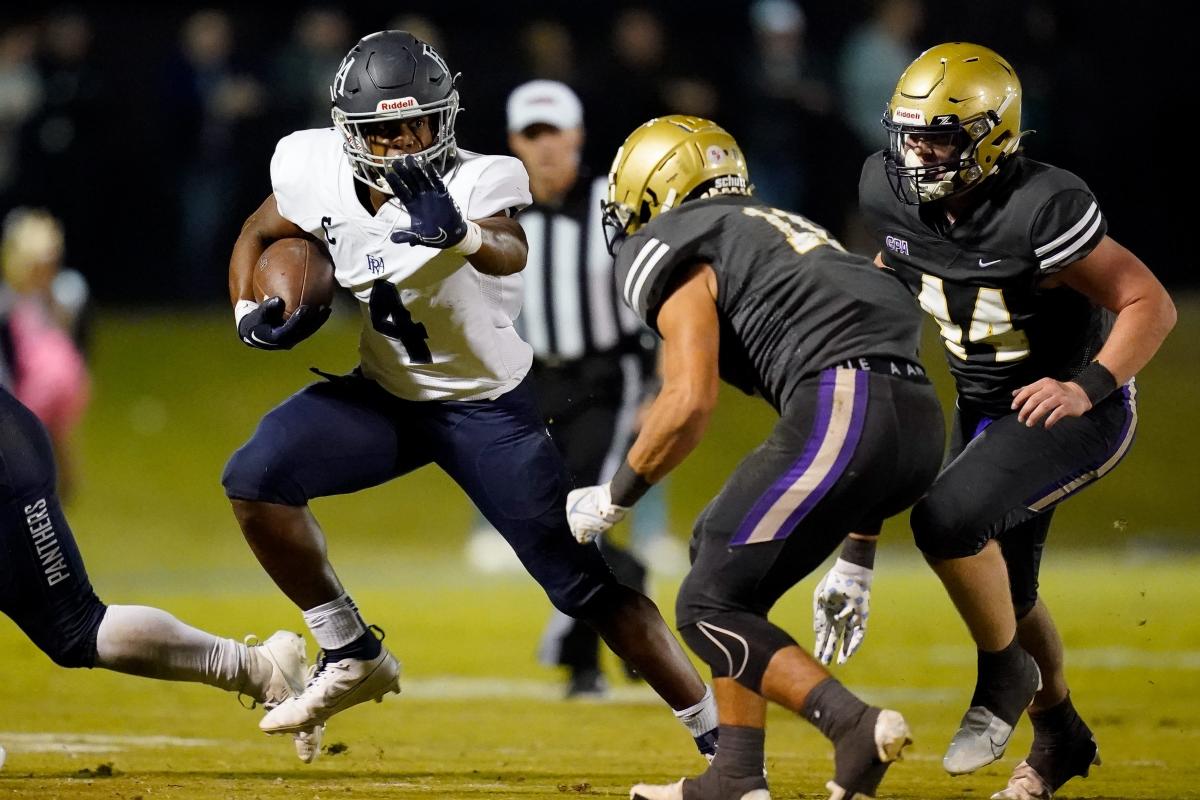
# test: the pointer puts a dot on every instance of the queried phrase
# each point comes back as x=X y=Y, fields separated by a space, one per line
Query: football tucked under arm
x=293 y=285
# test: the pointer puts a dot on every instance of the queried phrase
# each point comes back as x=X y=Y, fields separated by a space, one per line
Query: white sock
x=700 y=718
x=139 y=640
x=336 y=623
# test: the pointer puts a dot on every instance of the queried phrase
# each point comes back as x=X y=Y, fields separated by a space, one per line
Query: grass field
x=478 y=718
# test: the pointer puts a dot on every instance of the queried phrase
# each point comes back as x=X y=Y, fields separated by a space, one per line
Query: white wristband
x=470 y=243
x=240 y=310
x=853 y=570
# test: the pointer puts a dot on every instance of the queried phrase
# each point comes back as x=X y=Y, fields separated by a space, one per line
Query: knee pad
x=585 y=600
x=255 y=472
x=942 y=530
x=736 y=645
x=70 y=638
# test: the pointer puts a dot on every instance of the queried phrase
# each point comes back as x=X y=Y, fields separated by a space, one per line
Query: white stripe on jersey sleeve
x=633 y=268
x=1074 y=246
x=637 y=296
x=1087 y=216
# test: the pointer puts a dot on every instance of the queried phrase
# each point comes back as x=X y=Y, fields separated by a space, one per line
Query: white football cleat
x=981 y=739
x=334 y=687
x=308 y=743
x=674 y=791
x=285 y=652
x=1025 y=784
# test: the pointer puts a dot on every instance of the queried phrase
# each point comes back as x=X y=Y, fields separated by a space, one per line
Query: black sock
x=832 y=708
x=741 y=751
x=1005 y=678
x=364 y=648
x=1059 y=720
x=707 y=743
x=736 y=769
x=1063 y=745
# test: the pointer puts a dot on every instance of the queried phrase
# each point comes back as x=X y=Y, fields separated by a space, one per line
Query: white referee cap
x=547 y=102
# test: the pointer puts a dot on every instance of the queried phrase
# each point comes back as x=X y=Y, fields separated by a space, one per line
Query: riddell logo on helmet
x=396 y=105
x=907 y=115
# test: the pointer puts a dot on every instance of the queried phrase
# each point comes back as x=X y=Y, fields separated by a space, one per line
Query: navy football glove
x=435 y=218
x=265 y=328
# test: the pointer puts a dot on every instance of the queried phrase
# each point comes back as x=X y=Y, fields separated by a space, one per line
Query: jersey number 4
x=391 y=318
x=990 y=325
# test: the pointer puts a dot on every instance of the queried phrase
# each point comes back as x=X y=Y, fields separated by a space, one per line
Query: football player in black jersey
x=767 y=301
x=1045 y=320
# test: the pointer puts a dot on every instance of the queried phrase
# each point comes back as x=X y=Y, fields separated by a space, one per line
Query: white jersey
x=434 y=328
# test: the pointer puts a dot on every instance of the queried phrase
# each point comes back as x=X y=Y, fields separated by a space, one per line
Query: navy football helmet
x=393 y=75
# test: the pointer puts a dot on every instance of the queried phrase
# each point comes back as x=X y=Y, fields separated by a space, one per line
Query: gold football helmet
x=955 y=117
x=663 y=163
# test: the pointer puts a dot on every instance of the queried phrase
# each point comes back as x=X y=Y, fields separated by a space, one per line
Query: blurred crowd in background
x=147 y=130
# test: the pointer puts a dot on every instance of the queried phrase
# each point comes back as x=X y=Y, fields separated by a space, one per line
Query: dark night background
x=153 y=159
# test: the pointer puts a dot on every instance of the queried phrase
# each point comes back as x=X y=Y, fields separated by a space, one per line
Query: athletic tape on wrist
x=470 y=243
x=240 y=310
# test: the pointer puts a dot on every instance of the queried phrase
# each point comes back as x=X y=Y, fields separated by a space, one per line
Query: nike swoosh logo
x=441 y=237
x=983 y=263
x=254 y=336
x=575 y=509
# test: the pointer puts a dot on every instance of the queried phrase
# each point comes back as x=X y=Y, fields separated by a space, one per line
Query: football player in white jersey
x=441 y=378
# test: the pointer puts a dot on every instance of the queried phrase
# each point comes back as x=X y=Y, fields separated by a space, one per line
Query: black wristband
x=1097 y=382
x=627 y=487
x=859 y=551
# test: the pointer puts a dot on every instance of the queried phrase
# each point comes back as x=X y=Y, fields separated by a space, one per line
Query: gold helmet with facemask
x=663 y=163
x=959 y=98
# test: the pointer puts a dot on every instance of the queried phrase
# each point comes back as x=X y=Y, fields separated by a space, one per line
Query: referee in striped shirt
x=594 y=364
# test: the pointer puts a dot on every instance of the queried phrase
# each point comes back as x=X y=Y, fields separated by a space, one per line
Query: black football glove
x=265 y=328
x=435 y=218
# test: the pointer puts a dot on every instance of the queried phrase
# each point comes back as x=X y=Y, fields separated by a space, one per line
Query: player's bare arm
x=503 y=250
x=678 y=417
x=1113 y=277
x=680 y=414
x=260 y=229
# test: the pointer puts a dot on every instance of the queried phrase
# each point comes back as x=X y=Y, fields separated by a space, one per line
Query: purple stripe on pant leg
x=811 y=447
x=1127 y=397
x=853 y=434
x=1045 y=491
x=982 y=426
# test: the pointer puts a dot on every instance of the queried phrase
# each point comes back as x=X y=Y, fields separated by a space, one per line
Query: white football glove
x=841 y=605
x=590 y=512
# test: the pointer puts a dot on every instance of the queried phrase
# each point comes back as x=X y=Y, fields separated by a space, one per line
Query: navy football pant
x=349 y=434
x=851 y=449
x=44 y=587
x=1002 y=481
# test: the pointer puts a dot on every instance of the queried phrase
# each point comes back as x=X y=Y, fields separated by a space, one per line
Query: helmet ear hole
x=644 y=213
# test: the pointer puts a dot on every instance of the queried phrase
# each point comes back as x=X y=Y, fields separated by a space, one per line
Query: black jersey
x=981 y=277
x=790 y=300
